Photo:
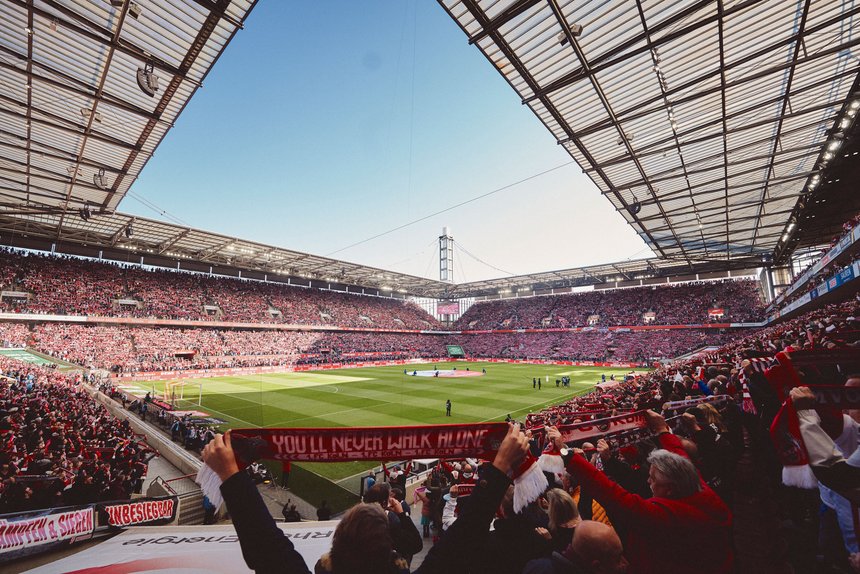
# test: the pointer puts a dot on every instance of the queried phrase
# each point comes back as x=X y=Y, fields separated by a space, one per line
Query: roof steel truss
x=709 y=114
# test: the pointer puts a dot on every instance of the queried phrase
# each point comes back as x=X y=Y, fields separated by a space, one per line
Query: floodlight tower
x=446 y=256
x=446 y=265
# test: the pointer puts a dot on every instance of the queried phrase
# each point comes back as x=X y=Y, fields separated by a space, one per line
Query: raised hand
x=219 y=456
x=513 y=449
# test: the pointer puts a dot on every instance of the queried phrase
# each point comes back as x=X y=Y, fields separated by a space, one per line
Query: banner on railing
x=38 y=531
x=141 y=511
x=185 y=549
x=34 y=532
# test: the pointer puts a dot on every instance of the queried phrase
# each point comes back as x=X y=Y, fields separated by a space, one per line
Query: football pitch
x=382 y=396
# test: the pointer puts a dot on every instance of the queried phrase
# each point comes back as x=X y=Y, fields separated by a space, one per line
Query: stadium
x=243 y=394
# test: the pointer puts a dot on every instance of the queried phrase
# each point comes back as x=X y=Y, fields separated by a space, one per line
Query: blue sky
x=325 y=123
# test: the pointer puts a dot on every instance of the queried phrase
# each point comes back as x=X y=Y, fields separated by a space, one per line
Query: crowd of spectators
x=669 y=497
x=145 y=349
x=844 y=259
x=815 y=280
x=59 y=447
x=73 y=286
x=600 y=345
x=682 y=304
x=122 y=349
x=14 y=335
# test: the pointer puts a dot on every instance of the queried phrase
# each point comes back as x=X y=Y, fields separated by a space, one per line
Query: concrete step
x=191 y=508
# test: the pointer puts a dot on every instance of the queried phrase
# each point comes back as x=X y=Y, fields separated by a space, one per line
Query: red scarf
x=480 y=440
x=603 y=427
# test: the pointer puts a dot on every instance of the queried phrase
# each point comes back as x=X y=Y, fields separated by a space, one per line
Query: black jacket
x=266 y=549
x=555 y=564
x=512 y=543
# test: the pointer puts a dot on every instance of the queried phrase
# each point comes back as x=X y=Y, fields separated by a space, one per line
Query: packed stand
x=14 y=335
x=687 y=303
x=71 y=286
x=816 y=279
x=698 y=489
x=59 y=447
x=597 y=345
x=146 y=349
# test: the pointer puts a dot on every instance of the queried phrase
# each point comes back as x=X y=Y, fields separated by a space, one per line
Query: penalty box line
x=549 y=402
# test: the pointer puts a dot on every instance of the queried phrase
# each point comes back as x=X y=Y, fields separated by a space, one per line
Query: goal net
x=183 y=393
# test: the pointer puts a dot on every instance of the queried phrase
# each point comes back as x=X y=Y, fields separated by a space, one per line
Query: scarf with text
x=481 y=440
x=796 y=369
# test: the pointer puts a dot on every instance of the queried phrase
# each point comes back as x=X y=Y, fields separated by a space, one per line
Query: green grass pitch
x=383 y=396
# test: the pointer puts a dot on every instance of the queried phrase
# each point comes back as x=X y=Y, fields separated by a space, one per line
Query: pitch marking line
x=550 y=402
x=260 y=404
x=232 y=395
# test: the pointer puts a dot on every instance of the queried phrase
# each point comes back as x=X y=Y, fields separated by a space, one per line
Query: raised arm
x=264 y=546
x=828 y=464
x=471 y=528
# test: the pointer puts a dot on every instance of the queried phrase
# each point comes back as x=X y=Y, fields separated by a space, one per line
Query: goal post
x=175 y=391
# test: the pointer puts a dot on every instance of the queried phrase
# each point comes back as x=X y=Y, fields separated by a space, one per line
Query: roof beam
x=168 y=243
x=84 y=89
x=88 y=130
x=602 y=62
x=60 y=123
x=179 y=76
x=624 y=274
x=505 y=16
x=215 y=249
x=114 y=239
x=94 y=32
x=29 y=74
x=702 y=210
x=475 y=10
x=45 y=174
x=32 y=192
x=640 y=109
x=559 y=15
x=662 y=176
x=42 y=153
x=701 y=187
x=776 y=143
x=667 y=103
x=734 y=221
x=718 y=122
x=39 y=191
x=648 y=150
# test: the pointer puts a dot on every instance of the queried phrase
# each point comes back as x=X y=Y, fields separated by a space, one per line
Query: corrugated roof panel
x=648 y=129
x=604 y=24
x=73 y=58
x=760 y=45
x=535 y=42
x=617 y=81
x=574 y=101
x=663 y=165
x=692 y=152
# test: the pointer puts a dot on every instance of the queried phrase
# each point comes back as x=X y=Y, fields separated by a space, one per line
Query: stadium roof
x=123 y=237
x=696 y=112
x=619 y=274
x=130 y=238
x=702 y=121
x=76 y=125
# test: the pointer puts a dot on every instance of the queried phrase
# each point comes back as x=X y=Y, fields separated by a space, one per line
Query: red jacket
x=663 y=535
